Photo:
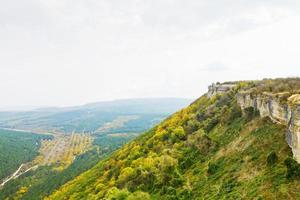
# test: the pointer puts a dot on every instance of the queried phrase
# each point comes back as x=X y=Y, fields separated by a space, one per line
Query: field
x=61 y=151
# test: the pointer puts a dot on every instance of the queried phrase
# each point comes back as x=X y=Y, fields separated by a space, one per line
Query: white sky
x=69 y=52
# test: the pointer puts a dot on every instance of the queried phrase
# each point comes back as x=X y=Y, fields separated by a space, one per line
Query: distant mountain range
x=91 y=116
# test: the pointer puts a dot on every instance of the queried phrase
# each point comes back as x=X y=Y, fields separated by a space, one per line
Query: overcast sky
x=70 y=52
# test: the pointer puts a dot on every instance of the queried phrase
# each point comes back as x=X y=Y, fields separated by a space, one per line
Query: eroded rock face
x=282 y=112
x=293 y=133
x=218 y=88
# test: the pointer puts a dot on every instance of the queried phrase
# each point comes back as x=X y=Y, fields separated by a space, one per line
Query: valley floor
x=59 y=151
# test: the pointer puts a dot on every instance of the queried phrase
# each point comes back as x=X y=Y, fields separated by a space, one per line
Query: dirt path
x=12 y=176
x=17 y=173
x=61 y=151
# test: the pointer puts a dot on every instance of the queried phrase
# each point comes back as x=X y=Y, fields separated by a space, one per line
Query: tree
x=126 y=174
x=178 y=133
x=139 y=195
x=116 y=194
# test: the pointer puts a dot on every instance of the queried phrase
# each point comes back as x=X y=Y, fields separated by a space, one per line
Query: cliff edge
x=281 y=108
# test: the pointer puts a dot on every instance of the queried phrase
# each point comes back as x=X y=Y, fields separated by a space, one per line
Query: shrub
x=279 y=85
x=212 y=168
x=235 y=112
x=178 y=133
x=272 y=159
x=293 y=168
x=115 y=193
x=126 y=174
x=211 y=124
x=139 y=195
x=201 y=142
x=223 y=100
x=192 y=126
x=250 y=113
x=228 y=186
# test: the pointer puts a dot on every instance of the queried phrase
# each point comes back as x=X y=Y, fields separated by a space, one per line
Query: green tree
x=139 y=195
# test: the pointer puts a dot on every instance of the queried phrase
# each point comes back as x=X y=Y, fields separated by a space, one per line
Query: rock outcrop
x=218 y=88
x=280 y=108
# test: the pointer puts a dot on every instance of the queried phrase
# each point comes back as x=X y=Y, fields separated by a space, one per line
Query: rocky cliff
x=281 y=108
x=218 y=88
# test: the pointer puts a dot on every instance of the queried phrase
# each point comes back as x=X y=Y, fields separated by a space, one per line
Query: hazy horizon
x=33 y=108
x=67 y=53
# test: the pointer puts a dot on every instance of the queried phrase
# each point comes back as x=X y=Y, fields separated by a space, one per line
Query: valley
x=59 y=151
x=18 y=148
x=63 y=149
x=61 y=154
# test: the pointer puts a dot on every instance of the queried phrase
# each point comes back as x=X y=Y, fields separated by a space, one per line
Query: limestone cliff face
x=218 y=88
x=286 y=112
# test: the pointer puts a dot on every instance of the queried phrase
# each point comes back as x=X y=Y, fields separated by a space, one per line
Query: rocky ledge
x=219 y=88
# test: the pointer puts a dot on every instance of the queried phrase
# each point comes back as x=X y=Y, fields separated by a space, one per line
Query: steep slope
x=211 y=150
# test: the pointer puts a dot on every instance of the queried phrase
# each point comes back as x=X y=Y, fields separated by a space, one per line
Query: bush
x=272 y=159
x=211 y=124
x=126 y=174
x=115 y=193
x=178 y=134
x=250 y=113
x=139 y=195
x=228 y=186
x=235 y=112
x=293 y=168
x=201 y=142
x=229 y=114
x=212 y=168
x=192 y=126
x=279 y=85
x=223 y=100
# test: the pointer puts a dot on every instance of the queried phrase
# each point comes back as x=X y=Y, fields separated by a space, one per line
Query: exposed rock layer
x=279 y=109
x=218 y=88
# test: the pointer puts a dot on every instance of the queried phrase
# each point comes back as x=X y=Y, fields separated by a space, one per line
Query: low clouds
x=74 y=52
x=215 y=66
x=134 y=18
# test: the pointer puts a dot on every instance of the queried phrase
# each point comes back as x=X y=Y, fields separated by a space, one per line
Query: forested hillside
x=210 y=150
x=16 y=148
x=82 y=136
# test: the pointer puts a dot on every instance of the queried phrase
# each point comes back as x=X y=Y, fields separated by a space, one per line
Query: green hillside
x=111 y=124
x=210 y=150
x=17 y=148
